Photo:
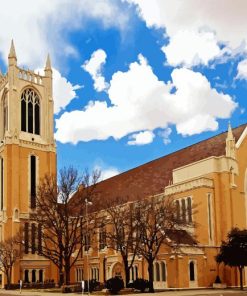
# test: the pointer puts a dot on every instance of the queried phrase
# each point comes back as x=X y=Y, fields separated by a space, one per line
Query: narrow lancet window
x=192 y=271
x=183 y=210
x=5 y=113
x=37 y=117
x=33 y=233
x=30 y=116
x=26 y=237
x=210 y=217
x=33 y=181
x=178 y=209
x=163 y=271
x=189 y=208
x=39 y=238
x=23 y=116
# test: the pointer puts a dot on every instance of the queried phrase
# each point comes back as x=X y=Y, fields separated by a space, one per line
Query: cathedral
x=211 y=174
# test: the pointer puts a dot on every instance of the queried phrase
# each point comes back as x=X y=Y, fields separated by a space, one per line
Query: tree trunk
x=61 y=276
x=8 y=274
x=241 y=277
x=151 y=276
x=67 y=273
x=127 y=272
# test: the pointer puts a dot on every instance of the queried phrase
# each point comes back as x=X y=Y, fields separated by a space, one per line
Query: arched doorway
x=117 y=270
x=192 y=270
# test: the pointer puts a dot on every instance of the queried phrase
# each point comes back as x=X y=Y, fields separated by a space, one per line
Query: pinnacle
x=12 y=53
x=48 y=63
x=229 y=133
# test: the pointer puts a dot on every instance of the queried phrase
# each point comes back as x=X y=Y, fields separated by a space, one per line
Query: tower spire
x=48 y=77
x=12 y=53
x=48 y=63
x=229 y=132
x=230 y=143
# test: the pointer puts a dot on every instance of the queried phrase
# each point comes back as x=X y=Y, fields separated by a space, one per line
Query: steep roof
x=152 y=177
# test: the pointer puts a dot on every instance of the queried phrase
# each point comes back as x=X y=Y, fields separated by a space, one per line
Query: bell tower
x=27 y=146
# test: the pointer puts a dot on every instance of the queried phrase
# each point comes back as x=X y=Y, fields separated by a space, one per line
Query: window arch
x=16 y=214
x=30 y=112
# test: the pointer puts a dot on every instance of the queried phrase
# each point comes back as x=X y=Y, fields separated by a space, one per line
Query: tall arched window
x=136 y=272
x=33 y=166
x=33 y=276
x=189 y=208
x=178 y=209
x=33 y=237
x=5 y=112
x=26 y=276
x=157 y=271
x=183 y=210
x=30 y=112
x=163 y=271
x=192 y=270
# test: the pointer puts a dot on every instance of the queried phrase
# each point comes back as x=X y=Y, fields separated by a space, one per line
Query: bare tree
x=158 y=223
x=9 y=253
x=120 y=232
x=61 y=212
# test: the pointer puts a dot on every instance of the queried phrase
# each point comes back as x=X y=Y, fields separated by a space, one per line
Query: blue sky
x=133 y=79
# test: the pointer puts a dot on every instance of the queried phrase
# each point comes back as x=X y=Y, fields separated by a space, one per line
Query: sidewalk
x=197 y=292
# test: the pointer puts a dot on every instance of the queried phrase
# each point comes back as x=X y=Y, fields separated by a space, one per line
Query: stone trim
x=189 y=185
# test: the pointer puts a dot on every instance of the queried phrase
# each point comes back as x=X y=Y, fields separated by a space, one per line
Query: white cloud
x=196 y=100
x=165 y=134
x=191 y=21
x=197 y=124
x=140 y=102
x=63 y=90
x=204 y=45
x=141 y=138
x=44 y=26
x=242 y=70
x=106 y=172
x=94 y=68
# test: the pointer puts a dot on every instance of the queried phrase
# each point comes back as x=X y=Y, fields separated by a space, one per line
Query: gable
x=242 y=138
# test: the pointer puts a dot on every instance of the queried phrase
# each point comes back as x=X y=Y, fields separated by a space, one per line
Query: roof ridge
x=172 y=153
